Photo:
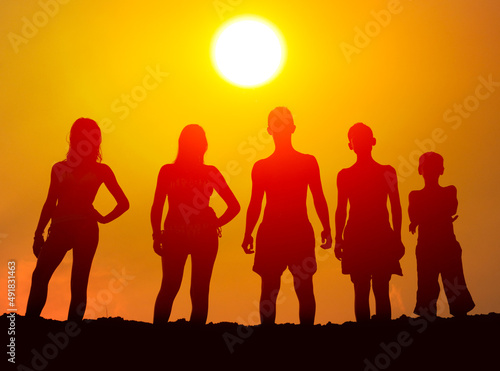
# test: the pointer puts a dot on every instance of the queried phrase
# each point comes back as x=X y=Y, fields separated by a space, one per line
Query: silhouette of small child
x=432 y=210
x=368 y=247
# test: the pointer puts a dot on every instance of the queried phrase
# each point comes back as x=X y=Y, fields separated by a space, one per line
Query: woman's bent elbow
x=125 y=205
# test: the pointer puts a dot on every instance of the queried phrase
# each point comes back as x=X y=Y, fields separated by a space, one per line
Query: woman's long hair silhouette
x=85 y=141
x=192 y=145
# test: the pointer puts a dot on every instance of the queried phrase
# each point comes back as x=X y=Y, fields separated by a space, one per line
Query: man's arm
x=157 y=209
x=340 y=213
x=253 y=211
x=412 y=212
x=320 y=205
x=395 y=205
x=453 y=200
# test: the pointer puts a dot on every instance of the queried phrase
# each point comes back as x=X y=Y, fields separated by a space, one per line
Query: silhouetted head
x=192 y=145
x=84 y=142
x=361 y=138
x=431 y=164
x=280 y=122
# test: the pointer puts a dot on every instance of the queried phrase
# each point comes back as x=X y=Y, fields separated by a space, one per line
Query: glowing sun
x=248 y=52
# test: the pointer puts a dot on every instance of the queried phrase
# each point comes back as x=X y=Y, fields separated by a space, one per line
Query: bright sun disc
x=248 y=52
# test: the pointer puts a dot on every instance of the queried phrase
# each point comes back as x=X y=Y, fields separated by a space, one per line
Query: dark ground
x=471 y=343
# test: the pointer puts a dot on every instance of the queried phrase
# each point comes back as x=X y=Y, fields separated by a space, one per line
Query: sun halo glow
x=248 y=52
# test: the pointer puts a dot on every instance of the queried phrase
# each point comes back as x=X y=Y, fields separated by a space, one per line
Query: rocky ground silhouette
x=116 y=344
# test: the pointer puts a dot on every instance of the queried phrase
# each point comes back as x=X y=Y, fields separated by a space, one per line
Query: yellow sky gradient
x=425 y=75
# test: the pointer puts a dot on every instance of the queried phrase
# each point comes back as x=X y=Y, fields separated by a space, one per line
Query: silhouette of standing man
x=285 y=237
x=368 y=247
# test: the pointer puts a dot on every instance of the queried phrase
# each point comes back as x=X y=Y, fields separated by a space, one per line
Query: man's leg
x=270 y=289
x=307 y=302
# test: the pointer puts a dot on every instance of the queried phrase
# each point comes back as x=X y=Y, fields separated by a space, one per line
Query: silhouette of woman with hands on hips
x=191 y=226
x=74 y=221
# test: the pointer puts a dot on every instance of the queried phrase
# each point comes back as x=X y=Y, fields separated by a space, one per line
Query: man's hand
x=37 y=245
x=248 y=245
x=326 y=238
x=400 y=249
x=157 y=247
x=413 y=228
x=339 y=250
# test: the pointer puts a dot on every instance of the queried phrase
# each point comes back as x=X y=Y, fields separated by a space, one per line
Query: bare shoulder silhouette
x=73 y=187
x=191 y=226
x=285 y=238
x=432 y=211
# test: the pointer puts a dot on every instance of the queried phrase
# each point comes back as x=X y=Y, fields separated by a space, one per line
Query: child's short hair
x=430 y=160
x=359 y=130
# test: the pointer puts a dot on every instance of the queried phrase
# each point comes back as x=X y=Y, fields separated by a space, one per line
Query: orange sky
x=424 y=75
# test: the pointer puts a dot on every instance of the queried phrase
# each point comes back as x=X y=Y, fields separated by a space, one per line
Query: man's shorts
x=278 y=248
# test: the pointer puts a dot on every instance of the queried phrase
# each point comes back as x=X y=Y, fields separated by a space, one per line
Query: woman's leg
x=382 y=298
x=361 y=296
x=86 y=238
x=173 y=269
x=201 y=273
x=50 y=257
